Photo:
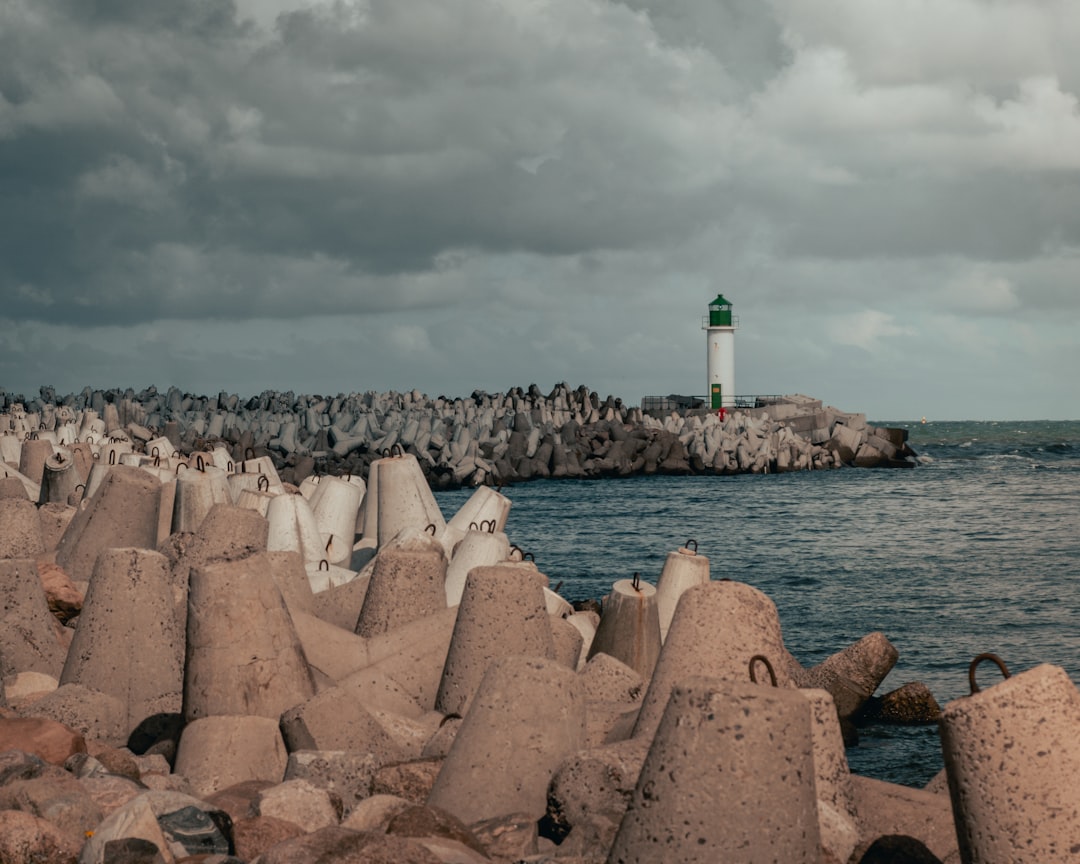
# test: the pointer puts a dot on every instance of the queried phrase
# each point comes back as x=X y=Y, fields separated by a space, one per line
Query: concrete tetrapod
x=729 y=777
x=1012 y=755
x=28 y=641
x=198 y=488
x=837 y=814
x=217 y=752
x=630 y=626
x=293 y=527
x=405 y=499
x=59 y=478
x=502 y=612
x=243 y=653
x=484 y=505
x=129 y=643
x=683 y=569
x=335 y=503
x=718 y=627
x=408 y=582
x=21 y=535
x=854 y=673
x=527 y=717
x=32 y=457
x=122 y=513
x=475 y=549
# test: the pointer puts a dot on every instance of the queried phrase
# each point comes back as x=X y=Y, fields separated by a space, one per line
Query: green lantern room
x=720 y=312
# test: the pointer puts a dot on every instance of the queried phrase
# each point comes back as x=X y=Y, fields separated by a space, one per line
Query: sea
x=975 y=550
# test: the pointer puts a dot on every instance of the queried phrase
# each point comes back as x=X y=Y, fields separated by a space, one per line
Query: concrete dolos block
x=630 y=626
x=407 y=583
x=502 y=612
x=527 y=717
x=123 y=512
x=683 y=569
x=218 y=752
x=243 y=653
x=729 y=777
x=718 y=627
x=1012 y=754
x=129 y=643
x=28 y=641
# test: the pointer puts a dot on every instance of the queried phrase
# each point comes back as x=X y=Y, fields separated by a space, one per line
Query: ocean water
x=975 y=550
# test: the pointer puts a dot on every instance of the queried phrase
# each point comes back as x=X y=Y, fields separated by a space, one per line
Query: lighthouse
x=720 y=329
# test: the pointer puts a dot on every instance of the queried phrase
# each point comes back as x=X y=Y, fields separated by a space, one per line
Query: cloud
x=869 y=329
x=980 y=293
x=542 y=190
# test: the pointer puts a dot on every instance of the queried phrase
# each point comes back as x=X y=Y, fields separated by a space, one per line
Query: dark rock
x=20 y=765
x=909 y=705
x=898 y=849
x=132 y=850
x=195 y=830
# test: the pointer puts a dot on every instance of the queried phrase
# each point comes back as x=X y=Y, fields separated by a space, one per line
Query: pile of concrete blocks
x=482 y=439
x=214 y=693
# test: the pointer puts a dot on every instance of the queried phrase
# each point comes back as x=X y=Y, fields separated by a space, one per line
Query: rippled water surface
x=977 y=549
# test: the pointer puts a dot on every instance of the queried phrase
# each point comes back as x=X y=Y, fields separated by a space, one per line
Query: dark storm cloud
x=546 y=190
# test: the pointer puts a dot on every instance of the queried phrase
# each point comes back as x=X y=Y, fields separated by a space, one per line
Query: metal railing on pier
x=654 y=405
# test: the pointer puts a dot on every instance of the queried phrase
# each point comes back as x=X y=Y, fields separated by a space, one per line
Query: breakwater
x=482 y=439
x=217 y=676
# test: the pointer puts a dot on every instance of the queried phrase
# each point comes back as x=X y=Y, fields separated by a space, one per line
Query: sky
x=336 y=197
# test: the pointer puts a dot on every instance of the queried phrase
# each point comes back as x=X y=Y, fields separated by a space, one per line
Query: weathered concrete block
x=728 y=777
x=123 y=512
x=718 y=627
x=886 y=809
x=528 y=716
x=501 y=613
x=219 y=751
x=128 y=643
x=243 y=654
x=28 y=638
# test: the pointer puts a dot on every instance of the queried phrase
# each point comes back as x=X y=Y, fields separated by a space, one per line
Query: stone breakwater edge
x=208 y=662
x=482 y=439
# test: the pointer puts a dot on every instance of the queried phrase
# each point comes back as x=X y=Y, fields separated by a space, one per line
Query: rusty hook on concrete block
x=993 y=658
x=761 y=658
x=200 y=463
x=327 y=563
x=687 y=546
x=263 y=483
x=431 y=529
x=636 y=581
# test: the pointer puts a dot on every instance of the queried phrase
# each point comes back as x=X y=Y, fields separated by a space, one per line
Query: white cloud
x=980 y=293
x=868 y=329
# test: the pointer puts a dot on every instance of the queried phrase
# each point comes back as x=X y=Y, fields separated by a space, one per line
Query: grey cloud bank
x=337 y=197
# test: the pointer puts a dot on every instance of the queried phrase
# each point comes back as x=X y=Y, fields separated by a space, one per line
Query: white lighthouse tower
x=720 y=329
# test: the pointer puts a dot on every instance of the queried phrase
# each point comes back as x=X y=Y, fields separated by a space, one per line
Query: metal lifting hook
x=761 y=658
x=993 y=658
